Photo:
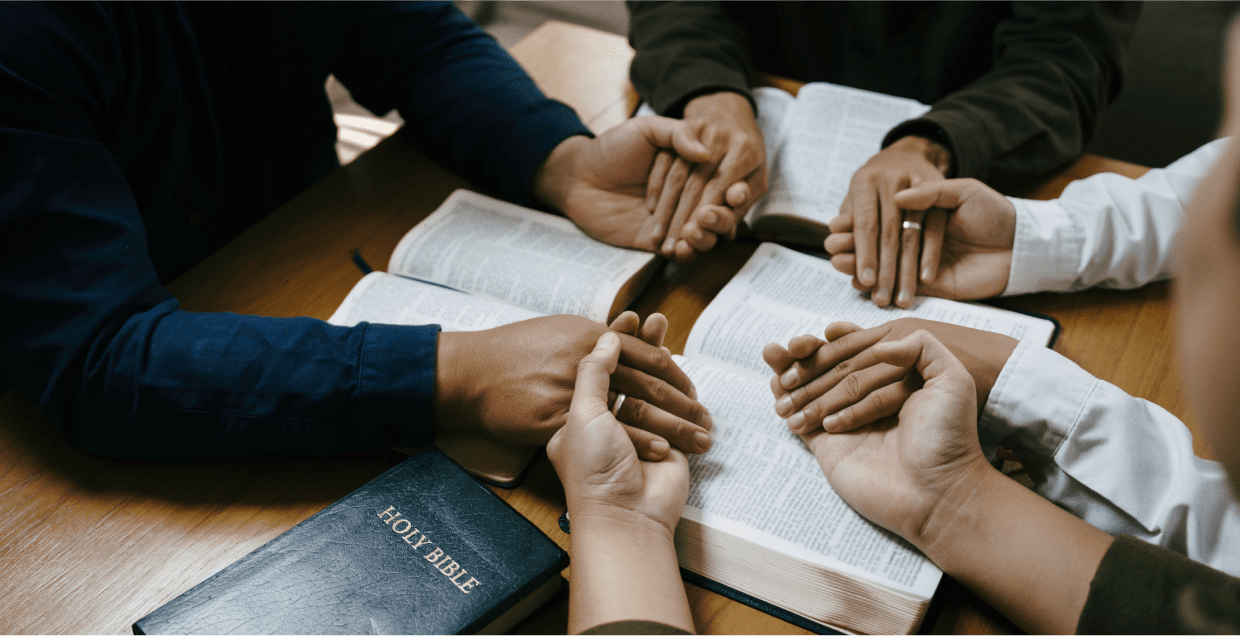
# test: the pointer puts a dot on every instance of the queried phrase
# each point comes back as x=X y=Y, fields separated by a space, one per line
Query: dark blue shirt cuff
x=527 y=144
x=396 y=386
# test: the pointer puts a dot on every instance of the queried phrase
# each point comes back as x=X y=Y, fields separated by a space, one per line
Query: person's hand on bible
x=840 y=384
x=623 y=510
x=514 y=383
x=887 y=241
x=703 y=202
x=601 y=183
x=970 y=258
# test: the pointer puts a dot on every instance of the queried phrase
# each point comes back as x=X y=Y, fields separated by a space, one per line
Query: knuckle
x=638 y=410
x=697 y=412
x=800 y=396
x=813 y=412
x=658 y=390
x=854 y=388
x=879 y=402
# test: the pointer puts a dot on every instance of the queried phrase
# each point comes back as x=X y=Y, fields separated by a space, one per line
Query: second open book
x=761 y=517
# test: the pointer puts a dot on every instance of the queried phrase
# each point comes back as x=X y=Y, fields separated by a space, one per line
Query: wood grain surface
x=90 y=544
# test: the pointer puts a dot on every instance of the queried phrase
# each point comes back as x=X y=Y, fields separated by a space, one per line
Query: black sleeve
x=1144 y=589
x=1056 y=66
x=685 y=49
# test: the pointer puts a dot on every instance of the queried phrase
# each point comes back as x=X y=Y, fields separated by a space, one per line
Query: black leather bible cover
x=422 y=549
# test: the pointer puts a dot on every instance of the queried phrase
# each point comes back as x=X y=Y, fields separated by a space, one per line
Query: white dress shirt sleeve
x=1106 y=230
x=1120 y=463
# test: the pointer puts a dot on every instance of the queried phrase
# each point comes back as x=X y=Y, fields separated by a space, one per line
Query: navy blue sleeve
x=457 y=89
x=88 y=332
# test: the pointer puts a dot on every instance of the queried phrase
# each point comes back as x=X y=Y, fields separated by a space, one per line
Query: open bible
x=814 y=143
x=761 y=519
x=477 y=263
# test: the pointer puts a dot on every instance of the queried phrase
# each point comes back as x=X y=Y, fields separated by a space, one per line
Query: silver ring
x=615 y=407
x=912 y=225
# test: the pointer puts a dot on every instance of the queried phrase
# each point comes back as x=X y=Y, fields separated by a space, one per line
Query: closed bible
x=423 y=548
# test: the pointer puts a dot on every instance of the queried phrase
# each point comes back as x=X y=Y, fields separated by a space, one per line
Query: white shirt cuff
x=1047 y=251
x=1036 y=401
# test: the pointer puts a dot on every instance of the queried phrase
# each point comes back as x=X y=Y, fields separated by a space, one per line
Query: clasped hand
x=891 y=412
x=964 y=246
x=603 y=184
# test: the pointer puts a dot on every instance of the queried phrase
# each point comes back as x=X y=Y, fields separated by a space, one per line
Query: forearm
x=624 y=571
x=1026 y=557
x=1057 y=67
x=168 y=384
x=1106 y=230
x=460 y=93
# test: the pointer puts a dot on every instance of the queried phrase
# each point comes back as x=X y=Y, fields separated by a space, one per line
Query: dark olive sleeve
x=1144 y=589
x=685 y=49
x=1056 y=66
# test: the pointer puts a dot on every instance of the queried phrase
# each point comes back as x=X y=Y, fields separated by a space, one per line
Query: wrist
x=451 y=400
x=608 y=519
x=724 y=101
x=959 y=512
x=552 y=180
x=938 y=154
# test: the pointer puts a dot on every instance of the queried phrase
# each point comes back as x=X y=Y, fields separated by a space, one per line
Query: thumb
x=594 y=376
x=950 y=194
x=677 y=134
x=920 y=350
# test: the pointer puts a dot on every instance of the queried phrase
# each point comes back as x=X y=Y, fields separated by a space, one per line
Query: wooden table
x=89 y=544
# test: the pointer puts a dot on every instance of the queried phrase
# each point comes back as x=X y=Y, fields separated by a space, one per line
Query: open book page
x=394 y=300
x=826 y=135
x=781 y=293
x=760 y=483
x=773 y=106
x=528 y=258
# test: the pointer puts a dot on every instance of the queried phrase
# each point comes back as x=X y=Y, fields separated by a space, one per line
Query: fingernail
x=783 y=405
x=867 y=277
x=796 y=422
x=668 y=245
x=659 y=447
x=607 y=340
x=902 y=299
x=709 y=217
x=789 y=378
x=657 y=230
x=830 y=422
x=882 y=297
x=926 y=275
x=702 y=440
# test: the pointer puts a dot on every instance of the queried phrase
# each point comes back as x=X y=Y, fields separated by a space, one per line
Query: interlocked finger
x=682 y=434
x=820 y=399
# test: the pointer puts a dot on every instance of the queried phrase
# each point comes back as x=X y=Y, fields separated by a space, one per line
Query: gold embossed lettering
x=468 y=585
x=411 y=533
x=390 y=515
x=407 y=523
x=421 y=542
x=449 y=568
x=434 y=555
x=458 y=575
